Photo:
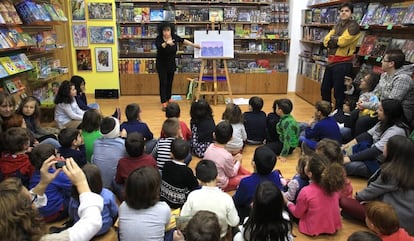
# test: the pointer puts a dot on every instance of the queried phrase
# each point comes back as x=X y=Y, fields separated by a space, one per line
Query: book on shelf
x=9 y=65
x=230 y=14
x=381 y=45
x=408 y=50
x=316 y=15
x=181 y=30
x=19 y=84
x=378 y=17
x=244 y=16
x=324 y=15
x=3 y=72
x=394 y=15
x=10 y=86
x=215 y=15
x=308 y=16
x=409 y=16
x=367 y=45
x=156 y=15
x=359 y=10
x=397 y=43
x=8 y=13
x=6 y=38
x=369 y=14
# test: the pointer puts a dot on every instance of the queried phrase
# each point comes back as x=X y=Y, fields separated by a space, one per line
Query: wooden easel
x=215 y=91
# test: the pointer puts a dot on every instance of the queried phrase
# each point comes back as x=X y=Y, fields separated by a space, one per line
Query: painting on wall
x=103 y=59
x=101 y=35
x=84 y=59
x=78 y=10
x=79 y=36
x=99 y=11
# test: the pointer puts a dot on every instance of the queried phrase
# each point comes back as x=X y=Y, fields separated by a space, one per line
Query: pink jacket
x=317 y=211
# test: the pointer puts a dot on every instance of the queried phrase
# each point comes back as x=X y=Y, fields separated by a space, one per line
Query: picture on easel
x=214 y=44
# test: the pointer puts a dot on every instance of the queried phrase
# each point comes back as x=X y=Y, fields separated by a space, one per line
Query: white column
x=295 y=31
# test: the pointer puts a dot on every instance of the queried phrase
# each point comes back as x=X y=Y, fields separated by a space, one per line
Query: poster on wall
x=101 y=35
x=103 y=59
x=84 y=59
x=78 y=10
x=214 y=44
x=100 y=11
x=79 y=36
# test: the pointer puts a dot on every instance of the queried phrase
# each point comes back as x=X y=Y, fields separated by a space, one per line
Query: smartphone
x=60 y=164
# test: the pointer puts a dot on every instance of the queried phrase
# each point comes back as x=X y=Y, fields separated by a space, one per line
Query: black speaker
x=106 y=94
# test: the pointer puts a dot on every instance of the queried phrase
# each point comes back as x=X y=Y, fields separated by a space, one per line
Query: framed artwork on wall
x=84 y=59
x=99 y=11
x=103 y=59
x=79 y=36
x=78 y=10
x=101 y=35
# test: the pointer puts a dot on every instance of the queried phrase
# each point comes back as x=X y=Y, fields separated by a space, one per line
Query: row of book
x=127 y=12
x=136 y=66
x=264 y=47
x=15 y=37
x=312 y=69
x=375 y=46
x=314 y=34
x=364 y=14
x=14 y=64
x=30 y=12
x=396 y=14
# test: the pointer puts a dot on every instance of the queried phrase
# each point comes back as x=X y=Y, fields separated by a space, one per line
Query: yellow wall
x=97 y=80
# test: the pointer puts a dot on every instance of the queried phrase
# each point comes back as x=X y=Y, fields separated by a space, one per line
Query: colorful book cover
x=8 y=65
x=25 y=37
x=378 y=17
x=4 y=41
x=215 y=15
x=316 y=15
x=50 y=11
x=2 y=19
x=26 y=61
x=359 y=10
x=5 y=14
x=138 y=15
x=367 y=45
x=409 y=16
x=324 y=15
x=372 y=8
x=12 y=12
x=59 y=11
x=7 y=37
x=239 y=30
x=10 y=86
x=381 y=44
x=19 y=84
x=156 y=15
x=16 y=37
x=20 y=65
x=146 y=15
x=397 y=43
x=3 y=72
x=394 y=15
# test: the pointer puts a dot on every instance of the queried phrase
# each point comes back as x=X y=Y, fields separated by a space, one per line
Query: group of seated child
x=152 y=179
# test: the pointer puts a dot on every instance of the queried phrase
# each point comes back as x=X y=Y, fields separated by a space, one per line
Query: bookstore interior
x=111 y=43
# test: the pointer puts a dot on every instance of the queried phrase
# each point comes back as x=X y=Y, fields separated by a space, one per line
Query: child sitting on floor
x=230 y=170
x=71 y=142
x=383 y=220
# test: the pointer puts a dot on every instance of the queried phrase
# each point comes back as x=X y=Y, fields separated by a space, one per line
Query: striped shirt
x=162 y=151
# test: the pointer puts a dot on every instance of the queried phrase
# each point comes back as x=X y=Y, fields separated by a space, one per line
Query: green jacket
x=288 y=130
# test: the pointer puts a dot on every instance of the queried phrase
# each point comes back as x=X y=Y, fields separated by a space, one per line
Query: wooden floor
x=302 y=111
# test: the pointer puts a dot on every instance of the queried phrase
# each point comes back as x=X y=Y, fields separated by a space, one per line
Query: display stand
x=214 y=91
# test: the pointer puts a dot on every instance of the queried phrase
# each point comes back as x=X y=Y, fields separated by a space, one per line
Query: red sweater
x=185 y=132
x=127 y=164
x=400 y=235
x=19 y=165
